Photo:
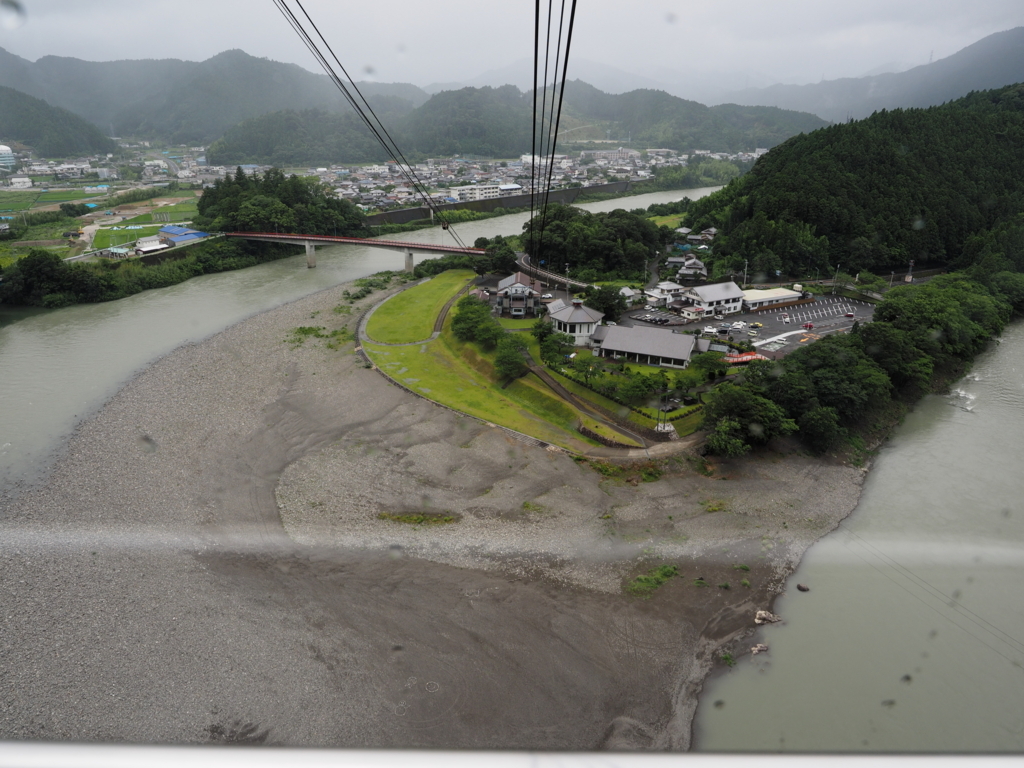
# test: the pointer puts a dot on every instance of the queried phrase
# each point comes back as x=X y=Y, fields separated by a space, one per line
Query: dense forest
x=50 y=131
x=273 y=202
x=845 y=385
x=495 y=122
x=873 y=195
x=594 y=246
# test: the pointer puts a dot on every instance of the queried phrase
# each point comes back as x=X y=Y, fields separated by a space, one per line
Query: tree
x=587 y=366
x=712 y=363
x=555 y=348
x=725 y=439
x=608 y=300
x=820 y=428
x=759 y=418
x=508 y=361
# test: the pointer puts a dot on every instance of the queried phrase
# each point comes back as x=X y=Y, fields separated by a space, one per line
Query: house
x=21 y=182
x=648 y=346
x=578 y=321
x=663 y=294
x=631 y=295
x=754 y=300
x=519 y=295
x=692 y=270
x=713 y=299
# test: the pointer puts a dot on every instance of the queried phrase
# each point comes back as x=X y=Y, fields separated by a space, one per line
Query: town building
x=519 y=295
x=21 y=182
x=714 y=299
x=647 y=346
x=7 y=161
x=754 y=300
x=578 y=321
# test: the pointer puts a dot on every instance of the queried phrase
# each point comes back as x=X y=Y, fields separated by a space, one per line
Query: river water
x=912 y=636
x=57 y=367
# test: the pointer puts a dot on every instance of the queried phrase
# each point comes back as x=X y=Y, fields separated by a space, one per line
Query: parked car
x=719 y=317
x=709 y=329
x=547 y=296
x=808 y=326
x=757 y=325
x=611 y=322
x=785 y=318
x=752 y=333
x=648 y=307
x=851 y=314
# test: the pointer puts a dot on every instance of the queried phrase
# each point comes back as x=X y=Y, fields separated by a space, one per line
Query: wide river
x=57 y=367
x=912 y=636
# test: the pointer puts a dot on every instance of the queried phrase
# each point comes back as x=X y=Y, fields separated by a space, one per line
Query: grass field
x=64 y=196
x=410 y=315
x=183 y=211
x=17 y=201
x=461 y=376
x=105 y=238
x=672 y=221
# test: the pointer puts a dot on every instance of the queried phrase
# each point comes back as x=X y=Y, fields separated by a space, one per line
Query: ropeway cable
x=377 y=127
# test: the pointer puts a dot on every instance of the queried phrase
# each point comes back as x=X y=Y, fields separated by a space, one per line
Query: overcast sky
x=754 y=41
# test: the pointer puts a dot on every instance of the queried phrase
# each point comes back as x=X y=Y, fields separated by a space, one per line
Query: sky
x=734 y=43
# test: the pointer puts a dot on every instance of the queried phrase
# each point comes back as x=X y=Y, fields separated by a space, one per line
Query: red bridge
x=311 y=241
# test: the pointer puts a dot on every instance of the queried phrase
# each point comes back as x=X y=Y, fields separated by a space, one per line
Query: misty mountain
x=50 y=131
x=992 y=62
x=496 y=122
x=183 y=101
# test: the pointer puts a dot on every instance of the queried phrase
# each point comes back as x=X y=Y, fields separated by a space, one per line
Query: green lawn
x=513 y=324
x=105 y=238
x=409 y=316
x=461 y=376
x=689 y=424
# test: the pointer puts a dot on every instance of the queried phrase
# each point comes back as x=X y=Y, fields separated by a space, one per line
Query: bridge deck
x=375 y=243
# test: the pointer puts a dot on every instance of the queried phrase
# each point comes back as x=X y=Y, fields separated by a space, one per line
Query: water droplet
x=12 y=14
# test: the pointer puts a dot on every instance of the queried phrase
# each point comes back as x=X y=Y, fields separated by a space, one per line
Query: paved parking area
x=776 y=335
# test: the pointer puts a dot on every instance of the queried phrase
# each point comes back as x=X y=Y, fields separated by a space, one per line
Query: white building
x=7 y=161
x=21 y=182
x=713 y=299
x=574 y=319
x=754 y=300
x=484 y=191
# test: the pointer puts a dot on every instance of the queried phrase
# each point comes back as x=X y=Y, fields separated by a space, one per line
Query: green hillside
x=495 y=122
x=874 y=194
x=50 y=131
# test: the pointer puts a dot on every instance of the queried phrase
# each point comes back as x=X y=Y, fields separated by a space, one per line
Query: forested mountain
x=993 y=62
x=50 y=131
x=495 y=122
x=185 y=101
x=876 y=193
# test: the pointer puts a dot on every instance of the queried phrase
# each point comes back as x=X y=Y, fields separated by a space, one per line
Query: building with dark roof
x=519 y=295
x=648 y=346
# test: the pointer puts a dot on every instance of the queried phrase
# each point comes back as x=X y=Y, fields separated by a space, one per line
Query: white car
x=709 y=329
x=547 y=296
x=648 y=307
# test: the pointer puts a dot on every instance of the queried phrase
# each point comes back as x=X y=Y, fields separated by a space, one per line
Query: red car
x=808 y=326
x=850 y=314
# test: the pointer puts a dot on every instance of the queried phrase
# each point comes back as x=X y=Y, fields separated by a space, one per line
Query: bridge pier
x=408 y=261
x=310 y=255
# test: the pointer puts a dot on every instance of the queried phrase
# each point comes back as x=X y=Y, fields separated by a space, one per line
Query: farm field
x=106 y=238
x=17 y=201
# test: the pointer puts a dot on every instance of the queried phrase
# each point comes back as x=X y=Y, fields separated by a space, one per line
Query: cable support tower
x=360 y=105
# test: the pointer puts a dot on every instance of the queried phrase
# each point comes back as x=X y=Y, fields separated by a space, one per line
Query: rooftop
x=640 y=340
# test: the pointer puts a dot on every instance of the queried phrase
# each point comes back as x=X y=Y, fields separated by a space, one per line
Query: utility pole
x=834 y=279
x=745 y=261
x=891 y=277
x=910 y=272
x=568 y=291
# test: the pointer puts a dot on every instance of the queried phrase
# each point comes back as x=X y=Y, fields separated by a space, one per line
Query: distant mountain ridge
x=496 y=122
x=992 y=62
x=50 y=131
x=183 y=101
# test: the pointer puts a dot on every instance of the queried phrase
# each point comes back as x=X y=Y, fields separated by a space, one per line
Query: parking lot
x=781 y=331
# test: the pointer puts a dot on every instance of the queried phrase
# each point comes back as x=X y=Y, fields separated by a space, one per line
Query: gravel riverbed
x=206 y=562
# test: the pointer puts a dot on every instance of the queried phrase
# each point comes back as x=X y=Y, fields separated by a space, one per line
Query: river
x=57 y=367
x=912 y=635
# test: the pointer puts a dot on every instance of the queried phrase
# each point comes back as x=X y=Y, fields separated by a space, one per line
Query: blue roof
x=174 y=230
x=186 y=238
x=90 y=205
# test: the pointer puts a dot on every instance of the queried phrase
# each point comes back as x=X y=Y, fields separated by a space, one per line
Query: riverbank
x=213 y=533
